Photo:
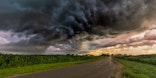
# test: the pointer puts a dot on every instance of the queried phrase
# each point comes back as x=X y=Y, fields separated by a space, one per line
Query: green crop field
x=20 y=64
x=138 y=66
x=150 y=59
x=9 y=61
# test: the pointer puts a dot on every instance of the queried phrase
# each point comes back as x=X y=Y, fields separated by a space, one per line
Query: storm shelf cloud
x=68 y=22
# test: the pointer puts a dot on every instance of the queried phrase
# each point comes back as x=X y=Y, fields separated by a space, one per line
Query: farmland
x=143 y=66
x=20 y=64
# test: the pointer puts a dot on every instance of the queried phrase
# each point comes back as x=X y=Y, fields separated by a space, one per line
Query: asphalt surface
x=106 y=68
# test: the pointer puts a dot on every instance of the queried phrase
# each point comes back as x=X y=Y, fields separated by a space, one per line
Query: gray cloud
x=52 y=20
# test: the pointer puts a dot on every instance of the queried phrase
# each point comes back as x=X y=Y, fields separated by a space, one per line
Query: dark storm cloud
x=52 y=20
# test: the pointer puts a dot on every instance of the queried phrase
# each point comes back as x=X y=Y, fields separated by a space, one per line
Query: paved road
x=105 y=68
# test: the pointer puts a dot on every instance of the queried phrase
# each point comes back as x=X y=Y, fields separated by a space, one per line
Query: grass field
x=150 y=59
x=10 y=61
x=133 y=66
x=138 y=66
x=17 y=64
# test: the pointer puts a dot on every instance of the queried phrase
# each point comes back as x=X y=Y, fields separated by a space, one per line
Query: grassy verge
x=40 y=67
x=137 y=70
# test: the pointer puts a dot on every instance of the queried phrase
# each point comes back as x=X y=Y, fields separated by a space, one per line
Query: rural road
x=105 y=68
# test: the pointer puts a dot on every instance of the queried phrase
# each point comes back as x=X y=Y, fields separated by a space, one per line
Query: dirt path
x=106 y=68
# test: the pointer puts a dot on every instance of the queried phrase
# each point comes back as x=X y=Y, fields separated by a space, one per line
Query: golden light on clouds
x=129 y=43
x=140 y=50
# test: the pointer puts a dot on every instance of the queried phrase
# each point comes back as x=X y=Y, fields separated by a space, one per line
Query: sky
x=77 y=26
x=136 y=43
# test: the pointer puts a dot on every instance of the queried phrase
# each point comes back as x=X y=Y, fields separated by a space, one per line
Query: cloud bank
x=58 y=20
x=131 y=44
x=71 y=22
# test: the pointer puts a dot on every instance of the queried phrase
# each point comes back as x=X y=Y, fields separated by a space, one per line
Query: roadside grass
x=134 y=69
x=6 y=72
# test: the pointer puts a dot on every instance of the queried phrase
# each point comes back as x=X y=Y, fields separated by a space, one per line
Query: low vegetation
x=138 y=66
x=148 y=59
x=20 y=64
x=10 y=61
